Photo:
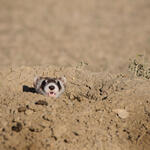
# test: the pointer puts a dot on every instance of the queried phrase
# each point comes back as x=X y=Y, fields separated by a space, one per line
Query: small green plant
x=139 y=67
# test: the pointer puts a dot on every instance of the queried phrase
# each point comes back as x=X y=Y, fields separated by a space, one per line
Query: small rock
x=21 y=109
x=41 y=102
x=71 y=96
x=36 y=128
x=122 y=113
x=32 y=129
x=47 y=117
x=17 y=127
x=65 y=140
x=75 y=133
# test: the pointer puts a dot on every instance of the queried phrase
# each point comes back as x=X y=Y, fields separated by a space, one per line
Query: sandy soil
x=104 y=107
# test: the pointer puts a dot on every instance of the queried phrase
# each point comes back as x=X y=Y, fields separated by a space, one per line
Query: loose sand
x=104 y=106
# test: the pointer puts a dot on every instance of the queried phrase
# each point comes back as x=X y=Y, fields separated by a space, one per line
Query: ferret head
x=53 y=87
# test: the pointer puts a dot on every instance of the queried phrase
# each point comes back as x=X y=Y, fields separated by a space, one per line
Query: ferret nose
x=51 y=87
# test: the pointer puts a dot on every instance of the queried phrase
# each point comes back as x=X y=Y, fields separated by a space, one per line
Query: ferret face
x=53 y=87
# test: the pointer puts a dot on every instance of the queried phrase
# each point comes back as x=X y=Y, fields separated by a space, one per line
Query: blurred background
x=105 y=34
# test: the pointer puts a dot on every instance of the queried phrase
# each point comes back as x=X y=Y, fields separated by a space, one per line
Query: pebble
x=41 y=102
x=17 y=127
x=122 y=113
x=21 y=109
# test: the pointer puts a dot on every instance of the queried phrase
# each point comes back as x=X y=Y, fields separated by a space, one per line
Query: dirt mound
x=96 y=111
x=99 y=110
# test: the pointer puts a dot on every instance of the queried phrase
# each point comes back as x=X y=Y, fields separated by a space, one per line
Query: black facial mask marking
x=59 y=86
x=43 y=84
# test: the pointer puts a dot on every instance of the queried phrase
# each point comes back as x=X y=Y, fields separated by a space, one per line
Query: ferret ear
x=35 y=80
x=63 y=79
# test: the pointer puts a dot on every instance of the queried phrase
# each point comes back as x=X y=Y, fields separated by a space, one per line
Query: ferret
x=52 y=87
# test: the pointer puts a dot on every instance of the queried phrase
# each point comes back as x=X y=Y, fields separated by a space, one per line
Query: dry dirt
x=104 y=107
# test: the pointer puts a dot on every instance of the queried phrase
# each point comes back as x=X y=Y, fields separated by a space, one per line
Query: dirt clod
x=41 y=102
x=21 y=109
x=17 y=127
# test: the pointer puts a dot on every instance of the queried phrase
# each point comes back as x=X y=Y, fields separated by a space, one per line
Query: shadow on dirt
x=28 y=89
